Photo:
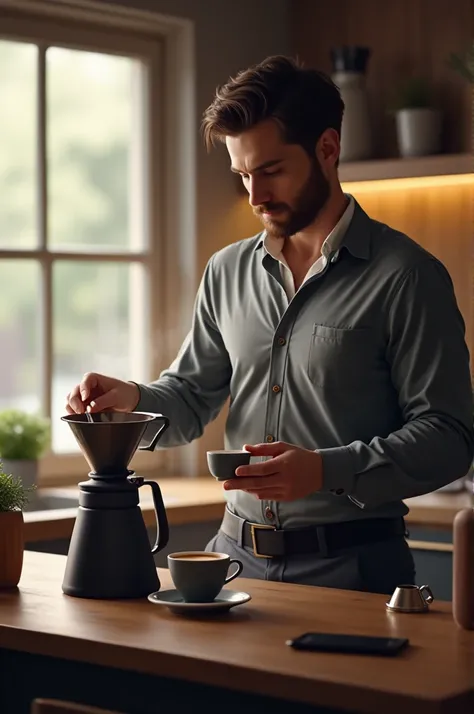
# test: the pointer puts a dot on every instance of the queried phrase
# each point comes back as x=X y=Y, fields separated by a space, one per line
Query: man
x=338 y=340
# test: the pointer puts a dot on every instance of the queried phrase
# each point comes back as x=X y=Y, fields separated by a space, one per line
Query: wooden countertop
x=245 y=650
x=201 y=499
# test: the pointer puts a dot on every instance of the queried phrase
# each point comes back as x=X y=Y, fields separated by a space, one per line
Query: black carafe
x=109 y=553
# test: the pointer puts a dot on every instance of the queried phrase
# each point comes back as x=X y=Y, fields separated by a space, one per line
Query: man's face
x=287 y=189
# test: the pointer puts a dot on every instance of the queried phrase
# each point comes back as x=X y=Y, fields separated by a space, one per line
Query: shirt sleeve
x=192 y=391
x=429 y=362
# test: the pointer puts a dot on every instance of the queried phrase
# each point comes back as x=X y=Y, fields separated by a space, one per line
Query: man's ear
x=328 y=148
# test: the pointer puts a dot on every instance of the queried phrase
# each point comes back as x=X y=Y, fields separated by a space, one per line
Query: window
x=79 y=215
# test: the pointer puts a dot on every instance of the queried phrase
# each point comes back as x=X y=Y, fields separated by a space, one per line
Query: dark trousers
x=376 y=567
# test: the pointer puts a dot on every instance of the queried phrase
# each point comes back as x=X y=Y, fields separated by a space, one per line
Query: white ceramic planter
x=25 y=469
x=418 y=132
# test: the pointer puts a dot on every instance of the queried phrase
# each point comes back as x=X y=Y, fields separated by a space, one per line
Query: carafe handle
x=163 y=532
x=165 y=422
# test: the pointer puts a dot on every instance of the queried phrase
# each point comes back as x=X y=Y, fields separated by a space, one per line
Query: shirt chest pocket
x=342 y=358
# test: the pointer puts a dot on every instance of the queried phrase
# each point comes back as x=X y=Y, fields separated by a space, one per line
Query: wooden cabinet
x=433 y=554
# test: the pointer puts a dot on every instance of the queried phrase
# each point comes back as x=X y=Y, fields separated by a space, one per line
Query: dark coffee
x=196 y=557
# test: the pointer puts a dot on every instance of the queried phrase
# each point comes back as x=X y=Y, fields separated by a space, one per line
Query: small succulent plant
x=463 y=64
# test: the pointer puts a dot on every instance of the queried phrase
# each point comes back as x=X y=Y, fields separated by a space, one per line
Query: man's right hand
x=96 y=393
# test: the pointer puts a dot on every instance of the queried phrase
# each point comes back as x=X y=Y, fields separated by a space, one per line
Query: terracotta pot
x=12 y=543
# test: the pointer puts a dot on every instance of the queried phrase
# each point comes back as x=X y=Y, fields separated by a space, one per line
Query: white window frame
x=167 y=44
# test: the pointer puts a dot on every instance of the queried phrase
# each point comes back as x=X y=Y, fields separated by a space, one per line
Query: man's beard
x=308 y=204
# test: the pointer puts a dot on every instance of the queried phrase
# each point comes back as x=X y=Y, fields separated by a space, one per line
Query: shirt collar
x=354 y=235
x=330 y=246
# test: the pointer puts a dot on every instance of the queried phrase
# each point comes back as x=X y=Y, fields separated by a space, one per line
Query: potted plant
x=13 y=498
x=463 y=64
x=23 y=439
x=418 y=122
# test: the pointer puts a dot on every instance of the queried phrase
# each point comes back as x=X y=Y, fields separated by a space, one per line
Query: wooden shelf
x=382 y=169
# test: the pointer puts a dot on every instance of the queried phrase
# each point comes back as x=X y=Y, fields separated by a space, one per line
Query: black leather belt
x=269 y=542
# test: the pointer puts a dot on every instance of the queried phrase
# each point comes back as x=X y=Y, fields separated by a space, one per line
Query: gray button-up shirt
x=370 y=362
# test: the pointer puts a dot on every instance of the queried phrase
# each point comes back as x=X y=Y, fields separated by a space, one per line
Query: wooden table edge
x=232 y=676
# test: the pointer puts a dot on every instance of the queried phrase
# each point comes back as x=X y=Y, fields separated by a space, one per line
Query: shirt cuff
x=338 y=470
x=147 y=399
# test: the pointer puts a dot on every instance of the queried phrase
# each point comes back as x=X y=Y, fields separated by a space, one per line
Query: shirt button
x=281 y=341
x=270 y=438
x=269 y=514
x=276 y=388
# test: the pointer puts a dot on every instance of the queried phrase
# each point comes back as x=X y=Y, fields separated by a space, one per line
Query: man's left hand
x=290 y=473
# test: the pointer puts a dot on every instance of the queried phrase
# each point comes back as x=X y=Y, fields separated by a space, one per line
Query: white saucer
x=223 y=602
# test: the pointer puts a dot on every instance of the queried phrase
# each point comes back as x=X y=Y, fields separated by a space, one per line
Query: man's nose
x=258 y=193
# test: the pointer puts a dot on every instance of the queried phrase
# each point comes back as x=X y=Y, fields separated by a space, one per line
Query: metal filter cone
x=110 y=440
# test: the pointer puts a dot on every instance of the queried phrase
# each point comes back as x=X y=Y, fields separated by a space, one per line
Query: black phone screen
x=349 y=644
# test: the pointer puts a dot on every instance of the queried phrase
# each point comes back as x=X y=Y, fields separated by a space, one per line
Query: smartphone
x=348 y=644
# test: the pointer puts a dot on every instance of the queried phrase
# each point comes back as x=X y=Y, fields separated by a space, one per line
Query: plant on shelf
x=463 y=64
x=14 y=496
x=413 y=93
x=24 y=438
x=418 y=122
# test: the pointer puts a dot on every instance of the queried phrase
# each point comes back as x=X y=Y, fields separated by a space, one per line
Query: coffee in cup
x=196 y=556
x=222 y=464
x=199 y=576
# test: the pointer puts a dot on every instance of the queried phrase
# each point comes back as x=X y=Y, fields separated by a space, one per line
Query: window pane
x=18 y=66
x=99 y=320
x=94 y=158
x=20 y=353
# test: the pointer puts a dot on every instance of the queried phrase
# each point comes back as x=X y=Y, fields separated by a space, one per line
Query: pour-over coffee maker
x=109 y=554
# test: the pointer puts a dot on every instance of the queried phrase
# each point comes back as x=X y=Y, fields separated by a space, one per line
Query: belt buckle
x=259 y=526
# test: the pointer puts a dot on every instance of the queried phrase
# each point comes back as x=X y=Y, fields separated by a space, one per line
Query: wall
x=405 y=36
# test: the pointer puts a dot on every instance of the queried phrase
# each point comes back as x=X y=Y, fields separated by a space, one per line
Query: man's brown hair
x=303 y=102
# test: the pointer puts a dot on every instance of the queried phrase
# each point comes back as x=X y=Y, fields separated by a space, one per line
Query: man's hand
x=98 y=392
x=291 y=473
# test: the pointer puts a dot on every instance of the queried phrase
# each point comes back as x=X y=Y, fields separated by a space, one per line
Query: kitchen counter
x=436 y=510
x=139 y=658
x=187 y=501
x=201 y=500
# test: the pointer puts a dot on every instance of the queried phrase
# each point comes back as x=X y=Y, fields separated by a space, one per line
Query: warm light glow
x=408 y=183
